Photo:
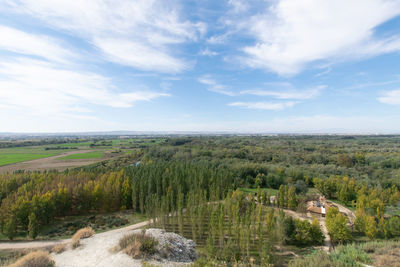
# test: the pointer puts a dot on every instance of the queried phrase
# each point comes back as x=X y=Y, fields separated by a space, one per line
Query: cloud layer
x=139 y=34
x=289 y=35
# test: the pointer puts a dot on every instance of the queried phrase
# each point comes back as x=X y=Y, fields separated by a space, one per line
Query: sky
x=251 y=66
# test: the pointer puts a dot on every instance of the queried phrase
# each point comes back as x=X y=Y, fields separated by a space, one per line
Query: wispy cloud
x=208 y=52
x=214 y=86
x=390 y=97
x=37 y=45
x=288 y=94
x=264 y=105
x=140 y=34
x=291 y=34
x=139 y=56
x=44 y=88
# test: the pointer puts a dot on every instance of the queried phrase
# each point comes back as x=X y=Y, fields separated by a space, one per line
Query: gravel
x=172 y=247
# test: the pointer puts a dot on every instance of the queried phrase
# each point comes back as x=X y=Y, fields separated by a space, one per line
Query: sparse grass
x=35 y=259
x=10 y=256
x=59 y=248
x=88 y=155
x=137 y=245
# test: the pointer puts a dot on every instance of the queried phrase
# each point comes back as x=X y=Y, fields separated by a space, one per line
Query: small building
x=318 y=206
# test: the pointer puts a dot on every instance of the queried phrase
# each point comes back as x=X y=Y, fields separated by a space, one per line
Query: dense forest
x=192 y=185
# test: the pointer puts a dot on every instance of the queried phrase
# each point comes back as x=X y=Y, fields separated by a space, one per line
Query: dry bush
x=83 y=233
x=75 y=243
x=59 y=248
x=137 y=245
x=387 y=260
x=35 y=259
x=388 y=255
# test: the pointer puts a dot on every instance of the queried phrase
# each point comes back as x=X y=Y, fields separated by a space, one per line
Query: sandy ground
x=95 y=251
x=50 y=163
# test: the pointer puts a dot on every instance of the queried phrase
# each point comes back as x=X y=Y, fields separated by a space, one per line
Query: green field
x=9 y=159
x=88 y=155
x=20 y=154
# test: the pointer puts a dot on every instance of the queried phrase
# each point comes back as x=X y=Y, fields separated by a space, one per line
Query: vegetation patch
x=137 y=245
x=59 y=248
x=35 y=259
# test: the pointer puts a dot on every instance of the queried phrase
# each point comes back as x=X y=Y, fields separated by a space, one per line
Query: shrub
x=35 y=259
x=318 y=259
x=75 y=243
x=137 y=245
x=83 y=233
x=351 y=255
x=59 y=248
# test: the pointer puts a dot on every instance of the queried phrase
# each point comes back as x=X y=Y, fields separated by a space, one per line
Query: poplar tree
x=33 y=227
x=292 y=200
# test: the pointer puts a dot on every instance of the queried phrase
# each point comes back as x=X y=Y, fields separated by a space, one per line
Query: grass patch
x=271 y=191
x=10 y=256
x=88 y=155
x=20 y=154
x=10 y=159
x=392 y=211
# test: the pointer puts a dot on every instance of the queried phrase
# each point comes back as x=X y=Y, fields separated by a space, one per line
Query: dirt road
x=44 y=244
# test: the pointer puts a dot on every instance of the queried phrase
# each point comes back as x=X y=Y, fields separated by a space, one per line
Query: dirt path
x=49 y=163
x=44 y=244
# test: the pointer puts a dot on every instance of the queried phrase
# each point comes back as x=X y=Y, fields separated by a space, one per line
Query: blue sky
x=295 y=66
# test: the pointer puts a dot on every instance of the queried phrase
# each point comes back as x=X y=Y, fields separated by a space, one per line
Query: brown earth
x=50 y=163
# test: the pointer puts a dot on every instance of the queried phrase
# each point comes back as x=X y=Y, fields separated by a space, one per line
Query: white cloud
x=287 y=94
x=34 y=45
x=125 y=31
x=139 y=56
x=214 y=86
x=208 y=52
x=264 y=105
x=391 y=97
x=291 y=34
x=43 y=88
x=217 y=39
